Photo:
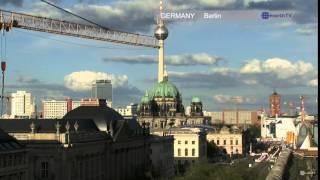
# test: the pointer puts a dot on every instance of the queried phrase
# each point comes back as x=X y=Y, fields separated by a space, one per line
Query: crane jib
x=10 y=19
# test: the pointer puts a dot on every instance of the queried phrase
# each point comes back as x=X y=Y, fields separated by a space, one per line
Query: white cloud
x=175 y=60
x=313 y=83
x=216 y=3
x=221 y=98
x=273 y=72
x=282 y=68
x=308 y=29
x=82 y=80
x=252 y=67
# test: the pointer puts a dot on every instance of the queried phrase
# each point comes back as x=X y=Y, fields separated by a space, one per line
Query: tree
x=212 y=149
x=250 y=135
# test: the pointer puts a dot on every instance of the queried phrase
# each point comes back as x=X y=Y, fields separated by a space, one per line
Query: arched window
x=186 y=152
x=179 y=152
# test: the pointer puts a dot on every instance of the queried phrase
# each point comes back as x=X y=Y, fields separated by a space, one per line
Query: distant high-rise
x=102 y=89
x=56 y=109
x=22 y=104
x=275 y=101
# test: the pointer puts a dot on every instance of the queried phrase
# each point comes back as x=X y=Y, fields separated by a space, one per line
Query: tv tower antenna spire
x=161 y=33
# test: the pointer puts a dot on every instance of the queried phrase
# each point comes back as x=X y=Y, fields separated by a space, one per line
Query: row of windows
x=12 y=160
x=225 y=142
x=193 y=152
x=18 y=176
x=186 y=142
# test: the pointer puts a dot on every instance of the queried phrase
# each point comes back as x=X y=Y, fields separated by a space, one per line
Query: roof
x=195 y=99
x=8 y=143
x=101 y=115
x=145 y=98
x=165 y=88
x=106 y=119
x=45 y=125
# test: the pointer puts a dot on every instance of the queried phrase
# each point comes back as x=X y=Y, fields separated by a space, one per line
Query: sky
x=229 y=63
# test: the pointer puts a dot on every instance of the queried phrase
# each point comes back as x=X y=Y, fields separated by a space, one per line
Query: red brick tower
x=275 y=101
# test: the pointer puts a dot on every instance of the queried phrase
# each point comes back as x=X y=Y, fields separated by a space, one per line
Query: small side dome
x=234 y=128
x=145 y=98
x=195 y=99
x=224 y=130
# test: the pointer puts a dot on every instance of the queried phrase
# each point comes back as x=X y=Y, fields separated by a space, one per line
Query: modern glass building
x=102 y=89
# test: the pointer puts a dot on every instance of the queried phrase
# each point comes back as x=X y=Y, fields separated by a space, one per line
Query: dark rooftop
x=8 y=143
x=102 y=116
x=46 y=125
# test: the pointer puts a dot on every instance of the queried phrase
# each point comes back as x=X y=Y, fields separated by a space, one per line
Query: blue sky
x=216 y=60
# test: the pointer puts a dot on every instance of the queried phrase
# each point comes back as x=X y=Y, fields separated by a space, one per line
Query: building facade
x=190 y=146
x=13 y=158
x=22 y=105
x=235 y=117
x=90 y=142
x=56 y=109
x=130 y=110
x=230 y=139
x=162 y=156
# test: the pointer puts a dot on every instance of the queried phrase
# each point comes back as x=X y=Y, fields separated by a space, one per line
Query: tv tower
x=161 y=33
x=302 y=107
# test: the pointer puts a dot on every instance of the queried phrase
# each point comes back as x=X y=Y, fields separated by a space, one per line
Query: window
x=186 y=152
x=231 y=142
x=193 y=152
x=179 y=142
x=218 y=142
x=193 y=142
x=179 y=152
x=44 y=169
x=186 y=142
x=224 y=142
x=236 y=142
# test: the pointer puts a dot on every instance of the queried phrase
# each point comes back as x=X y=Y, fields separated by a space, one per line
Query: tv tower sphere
x=161 y=32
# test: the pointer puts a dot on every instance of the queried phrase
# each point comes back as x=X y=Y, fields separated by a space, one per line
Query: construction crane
x=9 y=20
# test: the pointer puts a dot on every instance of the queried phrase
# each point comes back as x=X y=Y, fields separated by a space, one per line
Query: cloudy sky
x=227 y=63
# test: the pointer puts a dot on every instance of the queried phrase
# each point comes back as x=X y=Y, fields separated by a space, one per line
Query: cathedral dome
x=165 y=89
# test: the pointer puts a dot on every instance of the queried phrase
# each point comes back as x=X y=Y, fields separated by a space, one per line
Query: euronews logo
x=268 y=15
x=265 y=15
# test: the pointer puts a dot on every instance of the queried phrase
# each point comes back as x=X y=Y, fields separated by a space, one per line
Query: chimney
x=102 y=103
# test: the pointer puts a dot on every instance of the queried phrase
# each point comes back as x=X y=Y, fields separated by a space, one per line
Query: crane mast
x=9 y=19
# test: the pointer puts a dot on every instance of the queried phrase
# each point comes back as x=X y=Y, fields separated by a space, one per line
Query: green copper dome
x=195 y=99
x=165 y=89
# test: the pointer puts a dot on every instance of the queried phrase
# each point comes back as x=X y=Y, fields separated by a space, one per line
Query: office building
x=22 y=105
x=235 y=117
x=102 y=89
x=130 y=110
x=56 y=109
